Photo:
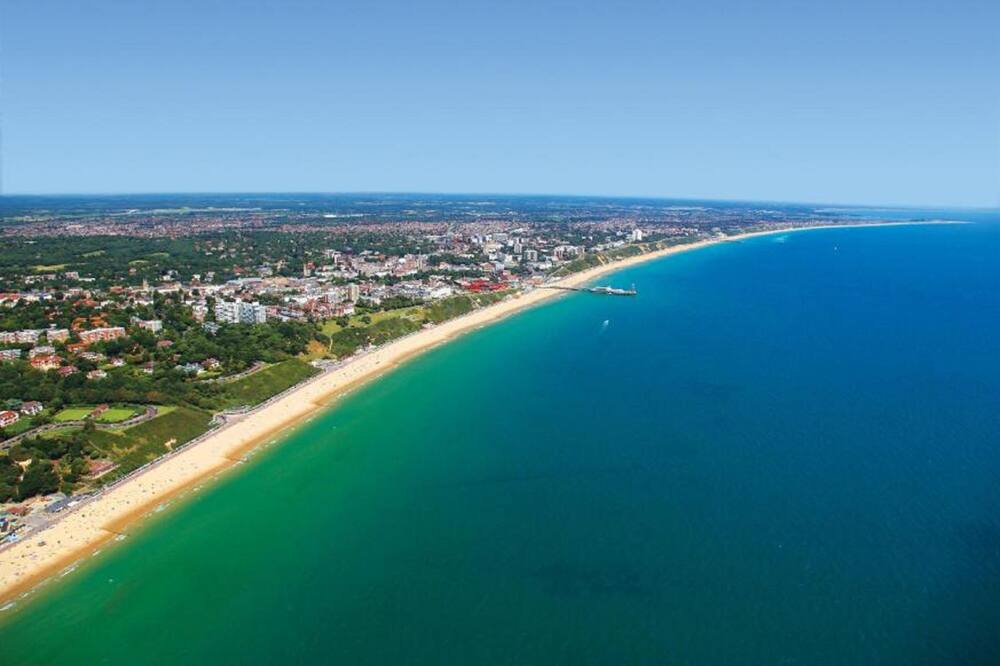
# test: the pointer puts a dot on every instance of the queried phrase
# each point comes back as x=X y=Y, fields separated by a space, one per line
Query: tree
x=10 y=472
x=39 y=479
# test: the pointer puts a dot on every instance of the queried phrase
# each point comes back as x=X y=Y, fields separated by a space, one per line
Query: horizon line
x=814 y=204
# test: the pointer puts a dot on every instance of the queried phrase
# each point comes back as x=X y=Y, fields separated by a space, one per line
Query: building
x=635 y=236
x=67 y=370
x=46 y=362
x=10 y=354
x=57 y=334
x=240 y=312
x=8 y=418
x=342 y=310
x=25 y=337
x=151 y=325
x=31 y=407
x=102 y=334
x=353 y=292
x=566 y=251
x=96 y=374
x=60 y=504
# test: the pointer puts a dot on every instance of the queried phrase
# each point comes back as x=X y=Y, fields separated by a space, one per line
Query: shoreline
x=25 y=564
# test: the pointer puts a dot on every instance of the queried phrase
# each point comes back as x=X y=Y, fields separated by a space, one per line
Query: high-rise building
x=240 y=312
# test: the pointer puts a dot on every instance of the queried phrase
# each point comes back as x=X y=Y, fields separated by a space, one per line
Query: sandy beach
x=82 y=531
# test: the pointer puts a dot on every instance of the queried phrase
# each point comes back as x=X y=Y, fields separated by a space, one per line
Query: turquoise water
x=784 y=451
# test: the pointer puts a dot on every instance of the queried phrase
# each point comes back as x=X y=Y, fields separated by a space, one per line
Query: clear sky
x=846 y=102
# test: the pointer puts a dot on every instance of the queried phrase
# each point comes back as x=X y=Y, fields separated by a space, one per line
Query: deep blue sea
x=783 y=451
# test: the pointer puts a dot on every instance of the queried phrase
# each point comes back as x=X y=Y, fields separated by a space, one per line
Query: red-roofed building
x=46 y=362
x=8 y=418
x=478 y=286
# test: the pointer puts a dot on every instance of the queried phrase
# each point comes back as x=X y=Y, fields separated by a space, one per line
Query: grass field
x=59 y=432
x=391 y=324
x=414 y=313
x=116 y=414
x=261 y=385
x=23 y=424
x=347 y=341
x=139 y=444
x=449 y=308
x=489 y=298
x=73 y=414
x=314 y=350
x=80 y=412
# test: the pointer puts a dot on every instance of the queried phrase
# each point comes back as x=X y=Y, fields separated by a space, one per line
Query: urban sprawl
x=126 y=334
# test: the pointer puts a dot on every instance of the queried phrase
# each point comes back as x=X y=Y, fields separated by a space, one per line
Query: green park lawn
x=117 y=414
x=413 y=312
x=24 y=423
x=136 y=445
x=72 y=414
x=261 y=385
x=80 y=412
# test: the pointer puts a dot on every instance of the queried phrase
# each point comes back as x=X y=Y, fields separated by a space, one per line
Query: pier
x=604 y=291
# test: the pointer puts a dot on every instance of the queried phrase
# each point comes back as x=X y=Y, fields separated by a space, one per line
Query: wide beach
x=756 y=460
x=84 y=530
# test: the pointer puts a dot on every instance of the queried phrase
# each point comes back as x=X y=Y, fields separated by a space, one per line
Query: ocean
x=782 y=451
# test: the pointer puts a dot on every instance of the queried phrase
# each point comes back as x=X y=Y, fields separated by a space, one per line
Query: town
x=120 y=347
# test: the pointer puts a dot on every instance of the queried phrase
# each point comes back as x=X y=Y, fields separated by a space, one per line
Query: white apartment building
x=240 y=312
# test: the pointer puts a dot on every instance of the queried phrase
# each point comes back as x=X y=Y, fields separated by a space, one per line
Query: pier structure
x=602 y=290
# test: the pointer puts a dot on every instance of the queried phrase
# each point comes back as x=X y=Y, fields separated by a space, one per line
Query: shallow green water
x=783 y=451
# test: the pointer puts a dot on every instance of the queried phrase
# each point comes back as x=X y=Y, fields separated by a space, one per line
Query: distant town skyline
x=847 y=104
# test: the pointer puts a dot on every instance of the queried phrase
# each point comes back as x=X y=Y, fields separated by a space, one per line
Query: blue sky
x=846 y=102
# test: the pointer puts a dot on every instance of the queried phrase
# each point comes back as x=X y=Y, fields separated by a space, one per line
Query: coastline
x=25 y=564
